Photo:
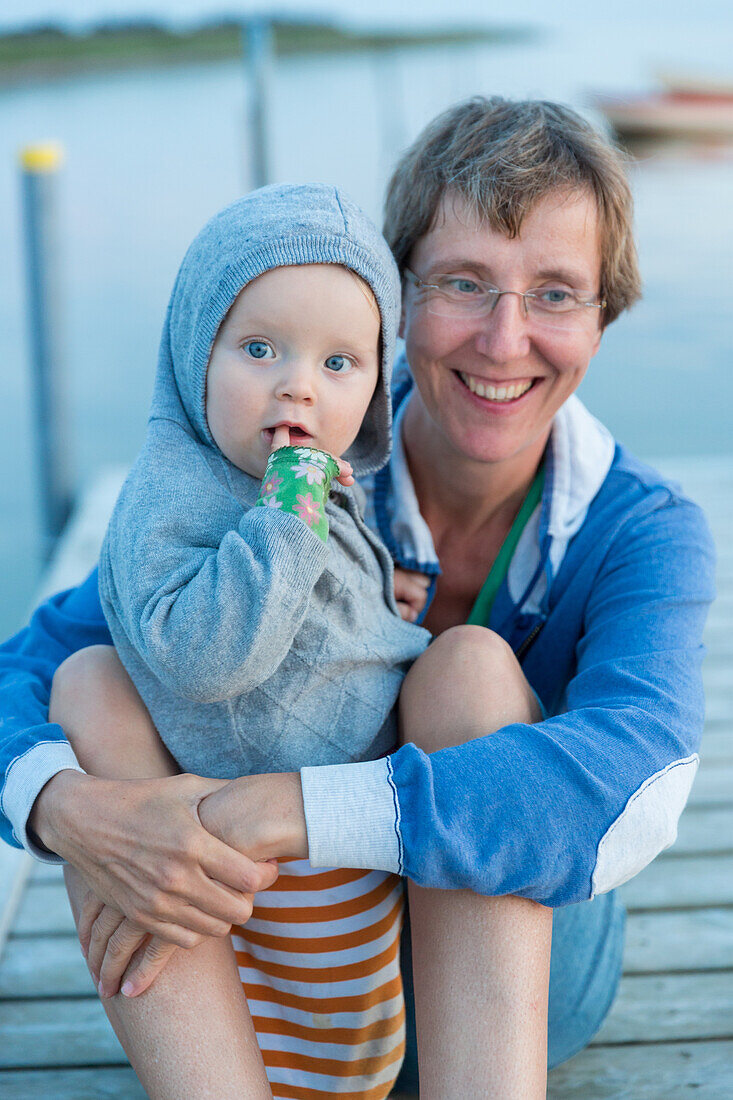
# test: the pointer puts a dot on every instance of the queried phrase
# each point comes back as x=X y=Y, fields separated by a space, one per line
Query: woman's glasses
x=459 y=297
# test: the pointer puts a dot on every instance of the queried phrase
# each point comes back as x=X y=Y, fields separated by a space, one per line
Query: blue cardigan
x=605 y=601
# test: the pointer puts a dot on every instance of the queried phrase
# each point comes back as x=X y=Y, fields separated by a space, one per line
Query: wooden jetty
x=670 y=1033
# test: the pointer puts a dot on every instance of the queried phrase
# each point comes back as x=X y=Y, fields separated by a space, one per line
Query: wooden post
x=259 y=52
x=39 y=168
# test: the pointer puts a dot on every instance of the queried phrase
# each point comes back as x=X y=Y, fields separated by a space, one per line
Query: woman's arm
x=574 y=805
x=33 y=750
x=100 y=826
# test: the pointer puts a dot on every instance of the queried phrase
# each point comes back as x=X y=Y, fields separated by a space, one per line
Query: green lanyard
x=481 y=610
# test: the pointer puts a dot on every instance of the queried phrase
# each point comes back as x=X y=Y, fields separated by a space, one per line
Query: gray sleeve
x=209 y=593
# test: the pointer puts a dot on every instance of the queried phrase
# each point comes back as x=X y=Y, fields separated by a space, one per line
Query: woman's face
x=453 y=357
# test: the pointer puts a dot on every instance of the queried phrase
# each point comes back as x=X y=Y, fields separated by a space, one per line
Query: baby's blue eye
x=258 y=349
x=339 y=364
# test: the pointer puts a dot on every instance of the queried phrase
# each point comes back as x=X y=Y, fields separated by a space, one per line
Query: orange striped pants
x=320 y=965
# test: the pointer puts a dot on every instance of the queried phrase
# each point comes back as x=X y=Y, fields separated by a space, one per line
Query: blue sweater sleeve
x=578 y=804
x=32 y=750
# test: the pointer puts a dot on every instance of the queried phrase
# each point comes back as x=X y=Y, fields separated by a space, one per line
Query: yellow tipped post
x=46 y=157
x=39 y=165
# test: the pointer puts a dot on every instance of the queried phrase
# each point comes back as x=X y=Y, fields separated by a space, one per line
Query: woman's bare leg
x=481 y=965
x=190 y=1034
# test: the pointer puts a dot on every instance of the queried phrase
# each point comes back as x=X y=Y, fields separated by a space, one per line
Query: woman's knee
x=460 y=656
x=467 y=684
x=468 y=649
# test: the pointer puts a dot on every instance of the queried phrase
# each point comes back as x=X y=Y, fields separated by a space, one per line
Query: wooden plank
x=717 y=678
x=680 y=1007
x=713 y=784
x=670 y=1007
x=44 y=966
x=703 y=830
x=46 y=872
x=59 y=1032
x=723 y=602
x=674 y=882
x=717 y=744
x=102 y=1083
x=717 y=630
x=721 y=654
x=52 y=966
x=44 y=910
x=717 y=711
x=15 y=867
x=674 y=1071
x=696 y=939
x=687 y=882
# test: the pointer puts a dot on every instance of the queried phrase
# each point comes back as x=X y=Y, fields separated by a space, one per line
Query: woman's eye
x=554 y=296
x=463 y=286
x=259 y=349
x=339 y=364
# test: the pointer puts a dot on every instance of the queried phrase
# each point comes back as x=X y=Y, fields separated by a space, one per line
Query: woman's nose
x=503 y=334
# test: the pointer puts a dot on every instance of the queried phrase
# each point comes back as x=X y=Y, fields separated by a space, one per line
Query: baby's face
x=300 y=347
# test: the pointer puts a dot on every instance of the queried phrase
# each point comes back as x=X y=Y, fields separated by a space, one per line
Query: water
x=150 y=155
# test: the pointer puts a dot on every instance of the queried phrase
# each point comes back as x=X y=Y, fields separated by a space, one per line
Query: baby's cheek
x=343 y=420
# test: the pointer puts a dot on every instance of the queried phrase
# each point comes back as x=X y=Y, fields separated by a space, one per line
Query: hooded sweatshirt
x=256 y=646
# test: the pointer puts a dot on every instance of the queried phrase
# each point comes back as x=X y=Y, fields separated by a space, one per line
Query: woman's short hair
x=502 y=157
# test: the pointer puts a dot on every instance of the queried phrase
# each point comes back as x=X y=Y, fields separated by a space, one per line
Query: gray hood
x=277 y=226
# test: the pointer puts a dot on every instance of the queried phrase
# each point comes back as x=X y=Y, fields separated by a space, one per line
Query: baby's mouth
x=297 y=434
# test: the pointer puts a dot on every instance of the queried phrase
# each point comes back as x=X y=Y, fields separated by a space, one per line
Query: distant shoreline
x=53 y=53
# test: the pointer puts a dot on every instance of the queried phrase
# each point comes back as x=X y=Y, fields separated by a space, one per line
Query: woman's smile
x=507 y=392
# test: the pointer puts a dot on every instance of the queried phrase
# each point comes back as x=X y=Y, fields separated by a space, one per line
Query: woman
x=511 y=223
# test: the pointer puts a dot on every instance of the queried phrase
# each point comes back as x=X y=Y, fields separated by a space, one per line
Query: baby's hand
x=281 y=438
x=410 y=592
x=346 y=472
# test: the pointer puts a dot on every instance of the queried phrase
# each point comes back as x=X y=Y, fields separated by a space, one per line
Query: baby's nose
x=296 y=384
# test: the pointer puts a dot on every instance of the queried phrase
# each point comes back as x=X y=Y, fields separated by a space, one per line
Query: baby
x=255 y=613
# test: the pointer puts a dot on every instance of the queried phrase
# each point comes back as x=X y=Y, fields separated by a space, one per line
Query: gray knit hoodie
x=255 y=646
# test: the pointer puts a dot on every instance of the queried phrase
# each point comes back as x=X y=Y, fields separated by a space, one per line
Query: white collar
x=579 y=457
x=409 y=529
x=580 y=454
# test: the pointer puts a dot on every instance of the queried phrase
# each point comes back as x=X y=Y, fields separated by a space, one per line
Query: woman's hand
x=142 y=849
x=111 y=943
x=121 y=956
x=261 y=815
x=410 y=592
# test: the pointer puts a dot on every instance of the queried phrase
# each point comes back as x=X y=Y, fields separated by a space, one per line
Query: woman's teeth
x=494 y=393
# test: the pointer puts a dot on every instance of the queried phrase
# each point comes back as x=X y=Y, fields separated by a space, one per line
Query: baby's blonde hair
x=366 y=291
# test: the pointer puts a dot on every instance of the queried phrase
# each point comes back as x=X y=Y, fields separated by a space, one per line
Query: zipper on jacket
x=522 y=648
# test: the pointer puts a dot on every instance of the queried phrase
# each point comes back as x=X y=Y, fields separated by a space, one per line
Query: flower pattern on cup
x=308 y=509
x=310 y=454
x=272 y=484
x=313 y=473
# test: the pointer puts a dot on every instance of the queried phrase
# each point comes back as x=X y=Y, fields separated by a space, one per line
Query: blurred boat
x=686 y=107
